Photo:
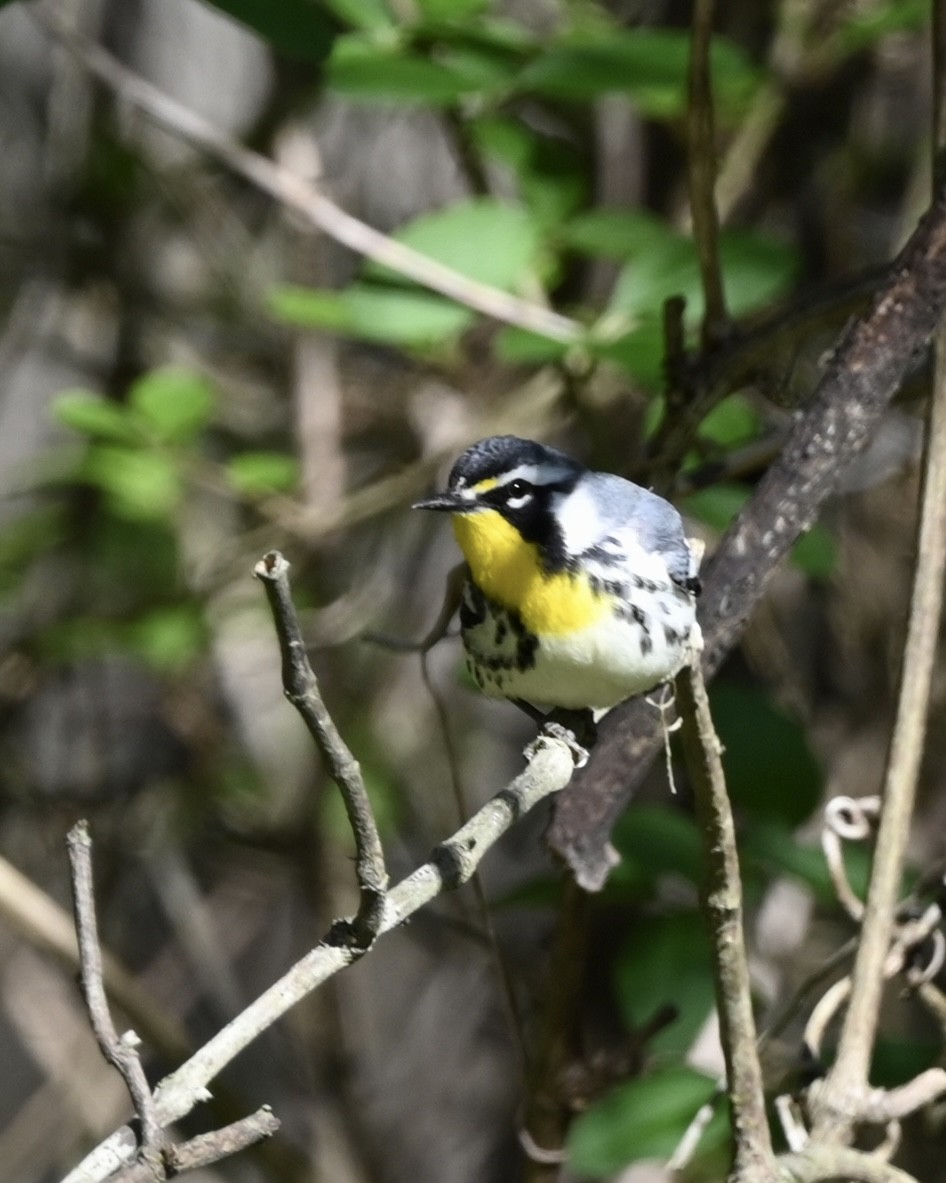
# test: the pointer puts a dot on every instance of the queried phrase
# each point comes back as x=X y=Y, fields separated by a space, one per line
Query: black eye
x=518 y=489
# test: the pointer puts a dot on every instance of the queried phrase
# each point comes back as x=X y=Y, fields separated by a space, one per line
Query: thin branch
x=231 y=1139
x=299 y=195
x=121 y=1051
x=452 y=863
x=302 y=689
x=722 y=902
x=866 y=370
x=701 y=174
x=822 y=1164
x=837 y=1106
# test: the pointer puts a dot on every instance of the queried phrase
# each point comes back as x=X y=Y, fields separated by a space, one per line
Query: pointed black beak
x=444 y=502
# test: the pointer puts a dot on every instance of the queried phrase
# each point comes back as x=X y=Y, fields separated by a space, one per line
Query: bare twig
x=231 y=1139
x=549 y=769
x=722 y=902
x=297 y=194
x=120 y=1050
x=701 y=174
x=837 y=1104
x=302 y=689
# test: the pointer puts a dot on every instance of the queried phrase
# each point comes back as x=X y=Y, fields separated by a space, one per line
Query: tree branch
x=868 y=366
x=297 y=194
x=701 y=174
x=722 y=905
x=121 y=1051
x=302 y=689
x=550 y=766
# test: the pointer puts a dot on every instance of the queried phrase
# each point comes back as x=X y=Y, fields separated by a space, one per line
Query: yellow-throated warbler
x=580 y=586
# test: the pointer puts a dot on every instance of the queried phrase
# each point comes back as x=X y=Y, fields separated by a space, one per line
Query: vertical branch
x=302 y=689
x=119 y=1051
x=701 y=174
x=722 y=902
x=836 y=1104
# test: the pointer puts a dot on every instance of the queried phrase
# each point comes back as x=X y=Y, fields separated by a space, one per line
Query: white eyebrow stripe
x=535 y=474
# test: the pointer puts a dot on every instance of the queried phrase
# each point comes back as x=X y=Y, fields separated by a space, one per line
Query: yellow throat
x=509 y=570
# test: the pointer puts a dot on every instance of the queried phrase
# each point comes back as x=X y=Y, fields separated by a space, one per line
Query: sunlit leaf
x=259 y=473
x=95 y=416
x=175 y=403
x=495 y=242
x=139 y=483
x=364 y=70
x=396 y=316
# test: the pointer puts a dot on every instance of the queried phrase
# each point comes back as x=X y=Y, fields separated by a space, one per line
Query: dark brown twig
x=868 y=366
x=722 y=904
x=701 y=175
x=119 y=1050
x=302 y=689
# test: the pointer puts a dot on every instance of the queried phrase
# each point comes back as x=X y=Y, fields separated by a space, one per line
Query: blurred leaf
x=298 y=28
x=897 y=1061
x=259 y=473
x=371 y=16
x=648 y=64
x=176 y=403
x=138 y=483
x=483 y=238
x=616 y=233
x=97 y=417
x=23 y=538
x=520 y=347
x=168 y=638
x=455 y=11
x=362 y=69
x=395 y=316
x=551 y=174
x=667 y=267
x=757 y=269
x=640 y=352
x=717 y=506
x=774 y=848
x=643 y=1118
x=734 y=421
x=769 y=767
x=864 y=26
x=665 y=961
x=654 y=841
x=816 y=553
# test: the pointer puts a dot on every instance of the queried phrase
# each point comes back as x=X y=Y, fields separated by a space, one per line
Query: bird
x=580 y=587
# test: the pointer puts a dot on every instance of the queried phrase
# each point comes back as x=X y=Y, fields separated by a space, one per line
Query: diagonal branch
x=451 y=864
x=303 y=198
x=867 y=369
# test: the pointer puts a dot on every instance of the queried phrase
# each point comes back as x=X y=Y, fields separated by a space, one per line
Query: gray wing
x=632 y=511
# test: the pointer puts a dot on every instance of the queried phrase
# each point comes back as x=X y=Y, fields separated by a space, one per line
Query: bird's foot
x=576 y=729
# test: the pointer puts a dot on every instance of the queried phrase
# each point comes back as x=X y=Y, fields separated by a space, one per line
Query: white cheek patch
x=578 y=519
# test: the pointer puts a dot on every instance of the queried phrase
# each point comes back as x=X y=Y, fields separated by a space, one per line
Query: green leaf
x=97 y=417
x=139 y=484
x=640 y=351
x=769 y=767
x=371 y=16
x=816 y=553
x=773 y=847
x=654 y=841
x=395 y=316
x=453 y=11
x=168 y=638
x=717 y=506
x=757 y=269
x=175 y=403
x=665 y=961
x=261 y=473
x=733 y=422
x=488 y=240
x=363 y=70
x=616 y=233
x=521 y=347
x=300 y=29
x=643 y=1118
x=868 y=24
x=650 y=65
